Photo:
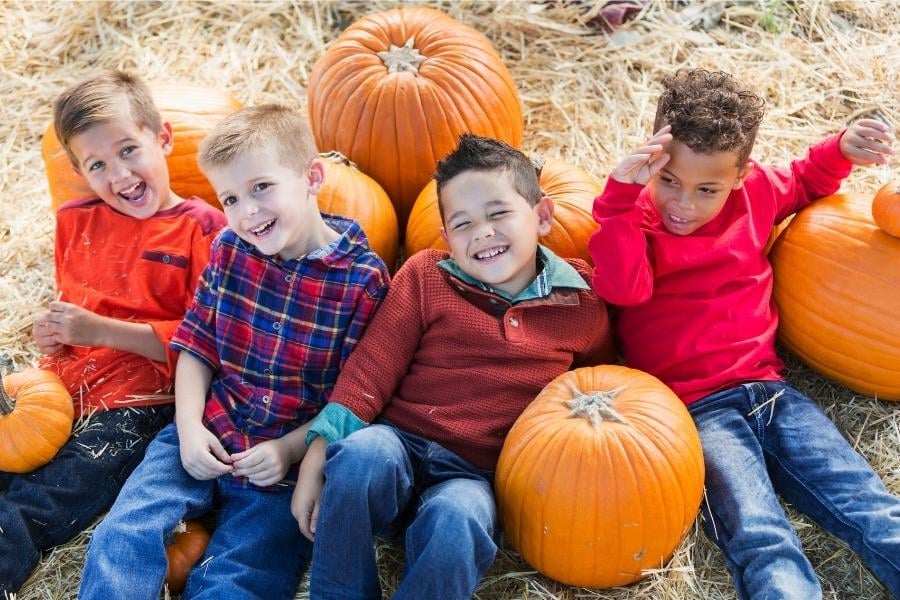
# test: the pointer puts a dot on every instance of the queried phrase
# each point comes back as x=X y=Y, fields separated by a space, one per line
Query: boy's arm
x=69 y=324
x=307 y=494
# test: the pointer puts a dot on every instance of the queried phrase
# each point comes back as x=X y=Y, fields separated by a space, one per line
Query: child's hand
x=641 y=165
x=867 y=142
x=264 y=464
x=308 y=493
x=43 y=336
x=202 y=456
x=70 y=324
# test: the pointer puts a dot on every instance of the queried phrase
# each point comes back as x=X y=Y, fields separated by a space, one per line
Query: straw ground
x=587 y=97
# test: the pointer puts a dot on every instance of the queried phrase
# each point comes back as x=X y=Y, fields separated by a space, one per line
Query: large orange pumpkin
x=571 y=189
x=600 y=477
x=35 y=419
x=886 y=209
x=837 y=281
x=396 y=89
x=350 y=192
x=192 y=111
x=188 y=544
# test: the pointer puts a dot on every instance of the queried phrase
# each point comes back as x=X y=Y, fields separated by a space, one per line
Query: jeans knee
x=365 y=460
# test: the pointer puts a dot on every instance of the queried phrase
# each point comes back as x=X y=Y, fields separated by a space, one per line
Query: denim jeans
x=256 y=550
x=52 y=504
x=766 y=438
x=381 y=481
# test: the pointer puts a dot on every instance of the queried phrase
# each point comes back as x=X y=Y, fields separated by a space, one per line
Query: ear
x=742 y=175
x=166 y=139
x=544 y=209
x=444 y=237
x=315 y=176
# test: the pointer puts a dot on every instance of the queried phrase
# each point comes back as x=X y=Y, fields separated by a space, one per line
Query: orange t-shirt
x=142 y=270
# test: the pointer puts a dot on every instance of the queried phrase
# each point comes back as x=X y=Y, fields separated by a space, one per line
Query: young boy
x=684 y=260
x=127 y=262
x=461 y=346
x=285 y=298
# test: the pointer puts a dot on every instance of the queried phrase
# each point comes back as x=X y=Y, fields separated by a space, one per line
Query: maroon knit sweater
x=457 y=365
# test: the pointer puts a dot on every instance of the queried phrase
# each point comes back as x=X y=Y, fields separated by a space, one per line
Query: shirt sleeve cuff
x=334 y=423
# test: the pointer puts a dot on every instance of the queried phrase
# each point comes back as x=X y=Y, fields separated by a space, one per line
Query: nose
x=685 y=200
x=120 y=171
x=484 y=230
x=251 y=208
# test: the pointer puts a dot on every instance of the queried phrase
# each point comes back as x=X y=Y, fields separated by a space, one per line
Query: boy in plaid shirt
x=284 y=300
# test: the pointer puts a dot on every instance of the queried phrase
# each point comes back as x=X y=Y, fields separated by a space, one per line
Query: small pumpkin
x=35 y=419
x=191 y=110
x=837 y=280
x=600 y=477
x=350 y=192
x=188 y=544
x=571 y=189
x=886 y=209
x=397 y=88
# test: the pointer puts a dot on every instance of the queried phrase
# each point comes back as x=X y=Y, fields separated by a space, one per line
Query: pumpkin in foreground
x=600 y=477
x=191 y=110
x=397 y=88
x=35 y=419
x=837 y=281
x=571 y=189
x=187 y=546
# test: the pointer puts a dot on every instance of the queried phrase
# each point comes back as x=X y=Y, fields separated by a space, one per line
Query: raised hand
x=868 y=142
x=643 y=163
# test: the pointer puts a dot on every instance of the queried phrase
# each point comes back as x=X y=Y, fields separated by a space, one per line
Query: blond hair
x=97 y=100
x=270 y=127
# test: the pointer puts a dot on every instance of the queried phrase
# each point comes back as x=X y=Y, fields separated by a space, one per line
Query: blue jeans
x=380 y=481
x=756 y=444
x=256 y=550
x=53 y=503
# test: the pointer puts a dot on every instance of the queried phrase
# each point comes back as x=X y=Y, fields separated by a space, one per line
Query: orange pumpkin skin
x=35 y=419
x=886 y=209
x=593 y=504
x=191 y=110
x=183 y=553
x=396 y=110
x=837 y=280
x=350 y=192
x=571 y=189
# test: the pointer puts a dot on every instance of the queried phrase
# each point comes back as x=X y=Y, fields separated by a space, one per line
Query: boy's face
x=125 y=164
x=691 y=189
x=491 y=230
x=268 y=204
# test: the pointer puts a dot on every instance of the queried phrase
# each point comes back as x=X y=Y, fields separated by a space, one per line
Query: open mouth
x=676 y=220
x=491 y=252
x=135 y=193
x=264 y=228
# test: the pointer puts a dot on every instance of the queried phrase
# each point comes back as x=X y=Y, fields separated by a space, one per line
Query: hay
x=588 y=97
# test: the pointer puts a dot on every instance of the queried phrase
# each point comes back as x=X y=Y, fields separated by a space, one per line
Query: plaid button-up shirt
x=275 y=333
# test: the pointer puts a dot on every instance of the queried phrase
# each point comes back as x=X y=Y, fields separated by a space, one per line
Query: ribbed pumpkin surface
x=837 y=286
x=350 y=192
x=192 y=111
x=396 y=110
x=593 y=504
x=571 y=189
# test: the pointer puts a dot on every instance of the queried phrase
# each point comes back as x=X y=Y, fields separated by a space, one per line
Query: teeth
x=133 y=192
x=262 y=228
x=679 y=220
x=490 y=253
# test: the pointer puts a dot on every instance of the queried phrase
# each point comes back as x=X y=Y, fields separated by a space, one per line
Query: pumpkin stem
x=402 y=58
x=595 y=406
x=6 y=402
x=336 y=157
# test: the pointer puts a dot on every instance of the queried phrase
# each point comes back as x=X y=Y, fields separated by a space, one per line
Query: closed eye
x=459 y=225
x=499 y=214
x=709 y=191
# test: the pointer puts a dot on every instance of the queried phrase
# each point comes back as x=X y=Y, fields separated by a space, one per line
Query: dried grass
x=587 y=96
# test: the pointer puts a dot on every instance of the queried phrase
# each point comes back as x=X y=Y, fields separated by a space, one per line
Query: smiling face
x=691 y=189
x=124 y=163
x=270 y=205
x=491 y=230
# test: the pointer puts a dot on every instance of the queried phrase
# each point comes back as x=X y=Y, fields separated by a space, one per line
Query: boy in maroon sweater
x=461 y=345
x=684 y=222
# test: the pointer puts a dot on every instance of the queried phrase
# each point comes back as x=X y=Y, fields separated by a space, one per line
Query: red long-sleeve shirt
x=142 y=270
x=696 y=311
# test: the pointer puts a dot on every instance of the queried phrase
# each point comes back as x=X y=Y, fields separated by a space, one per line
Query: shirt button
x=265 y=399
x=460 y=288
x=276 y=325
x=267 y=371
x=289 y=278
x=514 y=321
x=494 y=301
x=167 y=259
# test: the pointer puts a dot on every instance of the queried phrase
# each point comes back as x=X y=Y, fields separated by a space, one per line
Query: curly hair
x=710 y=111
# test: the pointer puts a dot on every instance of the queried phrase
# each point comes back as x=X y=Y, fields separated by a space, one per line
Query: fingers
x=644 y=162
x=219 y=452
x=868 y=142
x=313 y=521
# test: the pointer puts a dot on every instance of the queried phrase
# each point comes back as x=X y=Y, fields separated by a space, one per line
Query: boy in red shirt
x=680 y=249
x=127 y=263
x=463 y=343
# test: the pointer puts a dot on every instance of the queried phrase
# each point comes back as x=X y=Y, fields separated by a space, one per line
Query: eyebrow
x=712 y=182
